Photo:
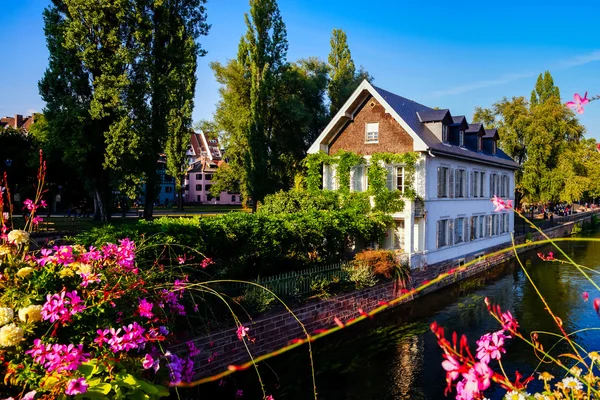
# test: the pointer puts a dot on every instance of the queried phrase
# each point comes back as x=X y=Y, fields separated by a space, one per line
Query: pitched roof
x=460 y=121
x=408 y=109
x=475 y=128
x=435 y=116
x=491 y=134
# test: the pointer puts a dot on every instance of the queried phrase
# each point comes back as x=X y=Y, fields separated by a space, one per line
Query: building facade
x=205 y=158
x=459 y=168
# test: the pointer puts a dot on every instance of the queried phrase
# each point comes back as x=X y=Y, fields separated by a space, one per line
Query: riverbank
x=273 y=331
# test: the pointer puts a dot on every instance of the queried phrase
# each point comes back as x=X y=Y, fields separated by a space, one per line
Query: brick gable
x=392 y=137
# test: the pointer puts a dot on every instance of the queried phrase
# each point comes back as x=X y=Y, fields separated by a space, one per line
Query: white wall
x=439 y=208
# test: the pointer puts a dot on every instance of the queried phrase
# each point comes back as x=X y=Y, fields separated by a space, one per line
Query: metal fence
x=294 y=283
x=522 y=227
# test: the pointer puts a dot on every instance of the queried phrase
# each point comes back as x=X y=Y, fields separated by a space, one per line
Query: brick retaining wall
x=220 y=349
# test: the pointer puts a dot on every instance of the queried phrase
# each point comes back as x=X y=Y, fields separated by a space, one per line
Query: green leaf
x=103 y=388
x=147 y=387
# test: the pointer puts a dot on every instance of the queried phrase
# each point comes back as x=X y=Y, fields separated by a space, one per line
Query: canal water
x=395 y=356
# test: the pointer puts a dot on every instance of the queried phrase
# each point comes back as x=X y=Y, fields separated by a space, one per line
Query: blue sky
x=454 y=55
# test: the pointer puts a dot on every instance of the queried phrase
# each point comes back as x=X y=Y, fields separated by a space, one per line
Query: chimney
x=18 y=121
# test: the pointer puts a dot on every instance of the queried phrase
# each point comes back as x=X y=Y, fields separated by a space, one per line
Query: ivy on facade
x=385 y=200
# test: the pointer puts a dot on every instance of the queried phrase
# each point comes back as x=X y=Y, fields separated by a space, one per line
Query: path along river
x=395 y=356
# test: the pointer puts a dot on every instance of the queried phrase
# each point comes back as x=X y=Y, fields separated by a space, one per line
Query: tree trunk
x=102 y=195
x=180 y=187
x=150 y=194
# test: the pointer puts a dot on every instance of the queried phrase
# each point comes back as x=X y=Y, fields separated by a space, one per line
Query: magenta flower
x=509 y=323
x=59 y=308
x=57 y=357
x=269 y=397
x=145 y=308
x=86 y=279
x=206 y=262
x=477 y=379
x=239 y=393
x=578 y=102
x=452 y=367
x=76 y=386
x=500 y=204
x=491 y=346
x=149 y=362
x=585 y=296
x=36 y=221
x=242 y=331
x=101 y=338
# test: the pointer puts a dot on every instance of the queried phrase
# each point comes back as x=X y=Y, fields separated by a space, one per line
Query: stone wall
x=271 y=332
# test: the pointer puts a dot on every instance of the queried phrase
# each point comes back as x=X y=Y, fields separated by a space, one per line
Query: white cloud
x=482 y=84
x=561 y=65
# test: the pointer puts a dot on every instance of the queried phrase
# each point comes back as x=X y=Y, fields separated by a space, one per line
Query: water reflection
x=396 y=357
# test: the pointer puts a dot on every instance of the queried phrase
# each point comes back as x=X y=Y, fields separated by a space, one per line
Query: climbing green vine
x=385 y=200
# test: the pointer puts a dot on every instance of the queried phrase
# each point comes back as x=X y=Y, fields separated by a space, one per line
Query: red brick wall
x=275 y=331
x=392 y=137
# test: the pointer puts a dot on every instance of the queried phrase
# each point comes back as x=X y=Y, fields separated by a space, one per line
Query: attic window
x=372 y=104
x=479 y=143
x=372 y=132
x=494 y=147
x=461 y=138
x=444 y=133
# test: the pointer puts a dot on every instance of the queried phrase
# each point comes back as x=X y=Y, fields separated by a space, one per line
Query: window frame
x=443 y=236
x=479 y=143
x=445 y=185
x=198 y=177
x=375 y=138
x=461 y=138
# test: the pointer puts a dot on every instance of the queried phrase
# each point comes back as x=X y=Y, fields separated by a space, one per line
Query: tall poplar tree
x=544 y=89
x=343 y=76
x=140 y=60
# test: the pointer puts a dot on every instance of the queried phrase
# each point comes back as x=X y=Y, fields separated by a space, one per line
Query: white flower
x=18 y=236
x=538 y=396
x=4 y=250
x=514 y=395
x=572 y=383
x=31 y=313
x=6 y=315
x=10 y=335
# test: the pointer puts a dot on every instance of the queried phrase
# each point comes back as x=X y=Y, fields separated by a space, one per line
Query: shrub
x=362 y=275
x=382 y=262
x=244 y=245
x=256 y=300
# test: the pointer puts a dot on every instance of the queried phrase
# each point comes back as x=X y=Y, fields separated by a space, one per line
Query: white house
x=459 y=169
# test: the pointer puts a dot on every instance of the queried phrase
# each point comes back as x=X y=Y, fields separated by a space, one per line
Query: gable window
x=372 y=132
x=444 y=133
x=479 y=143
x=494 y=147
x=461 y=138
x=443 y=173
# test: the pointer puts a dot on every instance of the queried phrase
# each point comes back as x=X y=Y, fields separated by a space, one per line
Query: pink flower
x=76 y=386
x=239 y=393
x=269 y=397
x=478 y=378
x=36 y=220
x=242 y=331
x=86 y=279
x=491 y=346
x=598 y=147
x=29 y=395
x=206 y=262
x=578 y=103
x=499 y=204
x=452 y=367
x=509 y=323
x=181 y=260
x=597 y=305
x=585 y=296
x=149 y=362
x=145 y=309
x=101 y=338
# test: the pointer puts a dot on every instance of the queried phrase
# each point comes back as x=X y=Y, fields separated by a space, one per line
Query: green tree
x=71 y=136
x=343 y=76
x=544 y=89
x=141 y=55
x=542 y=138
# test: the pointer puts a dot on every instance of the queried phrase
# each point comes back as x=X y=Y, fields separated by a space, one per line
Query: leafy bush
x=245 y=245
x=576 y=229
x=382 y=262
x=362 y=275
x=256 y=300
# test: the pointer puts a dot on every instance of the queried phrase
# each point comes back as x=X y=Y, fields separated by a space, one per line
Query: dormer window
x=494 y=147
x=372 y=132
x=461 y=138
x=444 y=133
x=479 y=143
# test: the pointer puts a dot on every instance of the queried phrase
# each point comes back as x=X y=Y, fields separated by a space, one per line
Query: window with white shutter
x=358 y=178
x=473 y=227
x=451 y=182
x=473 y=191
x=443 y=173
x=390 y=177
x=476 y=184
x=466 y=235
x=372 y=132
x=450 y=232
x=482 y=185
